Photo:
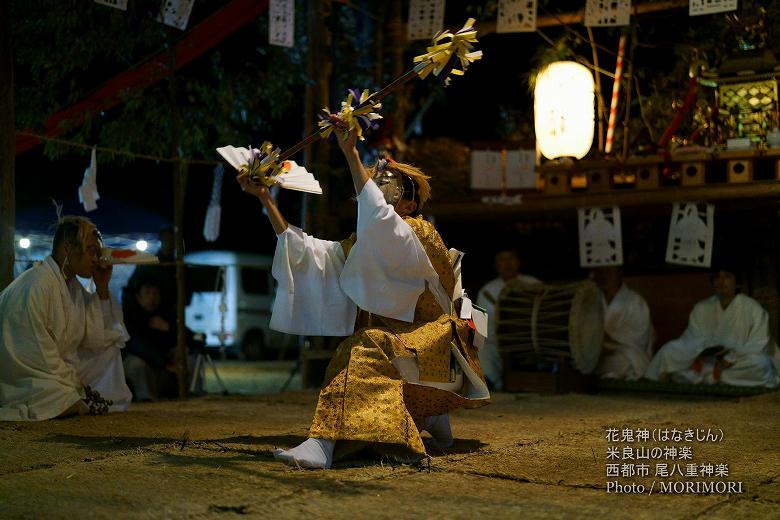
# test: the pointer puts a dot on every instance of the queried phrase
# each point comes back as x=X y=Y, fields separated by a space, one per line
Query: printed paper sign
x=697 y=7
x=516 y=16
x=426 y=18
x=607 y=13
x=281 y=23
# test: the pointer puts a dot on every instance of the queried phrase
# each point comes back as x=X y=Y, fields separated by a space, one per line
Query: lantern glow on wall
x=563 y=110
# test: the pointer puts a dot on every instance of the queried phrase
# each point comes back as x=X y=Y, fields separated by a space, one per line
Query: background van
x=232 y=294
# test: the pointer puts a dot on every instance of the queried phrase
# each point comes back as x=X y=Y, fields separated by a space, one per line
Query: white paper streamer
x=426 y=18
x=516 y=16
x=175 y=13
x=214 y=211
x=88 y=193
x=118 y=4
x=600 y=237
x=698 y=7
x=281 y=23
x=607 y=13
x=691 y=232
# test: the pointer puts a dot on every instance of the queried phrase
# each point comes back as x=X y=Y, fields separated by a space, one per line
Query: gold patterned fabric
x=364 y=397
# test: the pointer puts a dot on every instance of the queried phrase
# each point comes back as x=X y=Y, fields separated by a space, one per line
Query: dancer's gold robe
x=364 y=397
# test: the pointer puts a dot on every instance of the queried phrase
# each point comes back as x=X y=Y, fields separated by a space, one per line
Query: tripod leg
x=216 y=374
x=196 y=372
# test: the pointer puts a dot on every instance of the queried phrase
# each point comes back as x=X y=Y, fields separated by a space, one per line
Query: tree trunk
x=7 y=148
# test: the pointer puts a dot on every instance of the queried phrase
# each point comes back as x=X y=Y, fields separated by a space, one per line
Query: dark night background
x=491 y=103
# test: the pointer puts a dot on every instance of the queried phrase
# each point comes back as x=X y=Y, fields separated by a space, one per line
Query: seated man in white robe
x=507 y=265
x=628 y=331
x=727 y=341
x=56 y=338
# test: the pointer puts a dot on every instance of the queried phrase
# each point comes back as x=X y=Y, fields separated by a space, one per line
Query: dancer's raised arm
x=359 y=174
x=262 y=192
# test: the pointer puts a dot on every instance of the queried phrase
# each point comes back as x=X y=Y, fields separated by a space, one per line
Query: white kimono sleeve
x=387 y=267
x=756 y=332
x=309 y=300
x=105 y=323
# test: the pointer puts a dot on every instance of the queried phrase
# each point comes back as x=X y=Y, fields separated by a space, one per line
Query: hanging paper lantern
x=563 y=110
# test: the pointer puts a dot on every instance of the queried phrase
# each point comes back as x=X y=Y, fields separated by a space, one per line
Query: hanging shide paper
x=601 y=242
x=691 y=233
x=88 y=193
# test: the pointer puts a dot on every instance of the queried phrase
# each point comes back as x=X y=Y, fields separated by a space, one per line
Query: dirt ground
x=524 y=456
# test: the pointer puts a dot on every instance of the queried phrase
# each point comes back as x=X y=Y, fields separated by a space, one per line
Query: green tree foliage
x=239 y=92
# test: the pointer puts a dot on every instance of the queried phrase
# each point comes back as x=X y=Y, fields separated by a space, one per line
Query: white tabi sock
x=439 y=427
x=311 y=453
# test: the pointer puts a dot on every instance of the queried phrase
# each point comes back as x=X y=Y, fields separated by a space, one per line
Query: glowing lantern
x=563 y=110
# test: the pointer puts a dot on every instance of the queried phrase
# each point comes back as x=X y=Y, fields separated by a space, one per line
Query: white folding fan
x=293 y=176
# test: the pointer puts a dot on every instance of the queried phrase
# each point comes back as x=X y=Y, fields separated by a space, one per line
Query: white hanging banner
x=489 y=169
x=88 y=193
x=520 y=169
x=601 y=241
x=426 y=18
x=516 y=16
x=214 y=211
x=281 y=23
x=607 y=13
x=691 y=234
x=697 y=7
x=175 y=13
x=118 y=4
x=485 y=170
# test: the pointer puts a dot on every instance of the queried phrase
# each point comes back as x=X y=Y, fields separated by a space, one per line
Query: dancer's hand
x=252 y=187
x=348 y=143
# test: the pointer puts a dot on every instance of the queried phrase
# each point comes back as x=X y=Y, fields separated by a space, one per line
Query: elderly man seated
x=727 y=341
x=56 y=338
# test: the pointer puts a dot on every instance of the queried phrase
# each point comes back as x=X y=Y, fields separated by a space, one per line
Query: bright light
x=24 y=243
x=563 y=110
x=141 y=245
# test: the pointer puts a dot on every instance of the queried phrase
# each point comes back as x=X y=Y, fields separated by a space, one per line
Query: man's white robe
x=628 y=344
x=489 y=357
x=742 y=328
x=54 y=336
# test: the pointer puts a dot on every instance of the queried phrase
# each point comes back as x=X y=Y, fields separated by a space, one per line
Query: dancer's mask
x=390 y=183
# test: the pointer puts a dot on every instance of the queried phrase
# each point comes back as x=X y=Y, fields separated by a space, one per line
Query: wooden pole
x=629 y=81
x=396 y=31
x=179 y=195
x=317 y=152
x=599 y=97
x=7 y=148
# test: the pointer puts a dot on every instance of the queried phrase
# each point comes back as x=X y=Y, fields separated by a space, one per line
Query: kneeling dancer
x=391 y=287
